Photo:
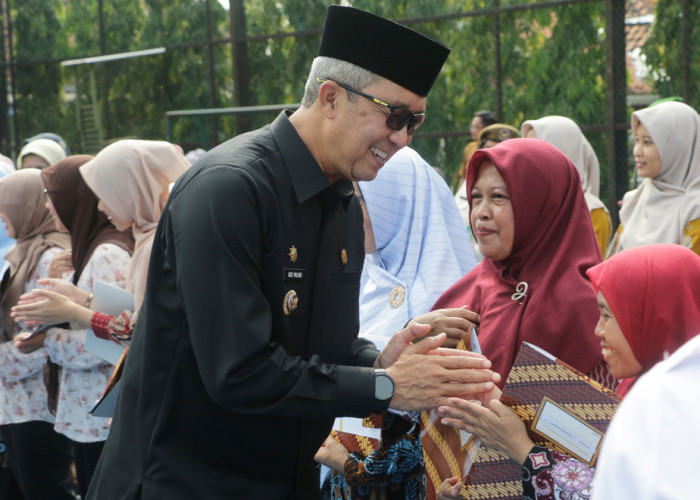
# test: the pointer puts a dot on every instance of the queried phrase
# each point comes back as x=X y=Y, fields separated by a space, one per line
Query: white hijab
x=45 y=148
x=422 y=245
x=133 y=177
x=660 y=208
x=564 y=134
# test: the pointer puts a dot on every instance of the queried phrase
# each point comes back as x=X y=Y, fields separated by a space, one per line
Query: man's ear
x=328 y=96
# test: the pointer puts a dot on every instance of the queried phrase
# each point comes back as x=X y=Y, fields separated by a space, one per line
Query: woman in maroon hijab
x=530 y=219
x=531 y=222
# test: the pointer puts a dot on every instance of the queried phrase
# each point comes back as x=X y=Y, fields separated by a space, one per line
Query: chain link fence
x=95 y=71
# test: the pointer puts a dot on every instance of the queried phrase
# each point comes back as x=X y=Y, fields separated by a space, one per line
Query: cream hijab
x=23 y=202
x=132 y=177
x=45 y=148
x=660 y=208
x=565 y=135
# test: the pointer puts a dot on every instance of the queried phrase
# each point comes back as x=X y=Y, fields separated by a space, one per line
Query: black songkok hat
x=388 y=49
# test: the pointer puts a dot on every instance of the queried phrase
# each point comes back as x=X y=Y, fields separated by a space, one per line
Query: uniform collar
x=308 y=180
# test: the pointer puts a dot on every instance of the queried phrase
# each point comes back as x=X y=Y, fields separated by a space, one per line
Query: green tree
x=37 y=37
x=664 y=50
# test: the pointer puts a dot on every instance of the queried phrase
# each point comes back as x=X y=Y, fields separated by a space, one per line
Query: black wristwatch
x=383 y=386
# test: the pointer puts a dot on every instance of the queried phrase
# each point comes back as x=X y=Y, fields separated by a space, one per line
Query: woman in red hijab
x=649 y=300
x=530 y=219
x=652 y=295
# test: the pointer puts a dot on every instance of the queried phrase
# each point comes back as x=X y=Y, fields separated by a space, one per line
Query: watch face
x=384 y=388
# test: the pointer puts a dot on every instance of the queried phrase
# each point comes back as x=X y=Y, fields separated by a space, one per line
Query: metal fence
x=95 y=71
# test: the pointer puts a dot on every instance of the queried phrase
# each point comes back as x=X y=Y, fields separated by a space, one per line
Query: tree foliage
x=37 y=86
x=551 y=61
x=665 y=52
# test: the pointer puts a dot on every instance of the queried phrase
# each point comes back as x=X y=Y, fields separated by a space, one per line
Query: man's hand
x=455 y=322
x=398 y=342
x=426 y=375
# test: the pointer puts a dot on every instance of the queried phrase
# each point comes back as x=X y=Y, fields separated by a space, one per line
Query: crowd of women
x=551 y=272
x=76 y=220
x=536 y=261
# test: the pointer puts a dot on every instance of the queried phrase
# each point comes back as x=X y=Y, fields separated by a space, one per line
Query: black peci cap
x=386 y=48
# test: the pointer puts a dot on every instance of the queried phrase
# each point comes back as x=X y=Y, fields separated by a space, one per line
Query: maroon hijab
x=76 y=206
x=539 y=293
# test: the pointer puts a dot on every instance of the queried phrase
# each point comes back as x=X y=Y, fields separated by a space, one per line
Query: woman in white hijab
x=416 y=247
x=564 y=134
x=665 y=208
x=416 y=244
x=40 y=153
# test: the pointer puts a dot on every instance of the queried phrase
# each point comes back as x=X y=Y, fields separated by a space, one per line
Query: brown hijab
x=76 y=206
x=22 y=200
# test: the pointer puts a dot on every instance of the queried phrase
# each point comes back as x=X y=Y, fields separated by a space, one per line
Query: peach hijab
x=23 y=201
x=132 y=178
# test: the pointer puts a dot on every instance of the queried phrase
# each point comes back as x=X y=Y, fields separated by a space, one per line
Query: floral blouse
x=84 y=376
x=24 y=395
x=550 y=475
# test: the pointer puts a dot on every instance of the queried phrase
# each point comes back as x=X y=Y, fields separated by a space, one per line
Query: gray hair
x=329 y=68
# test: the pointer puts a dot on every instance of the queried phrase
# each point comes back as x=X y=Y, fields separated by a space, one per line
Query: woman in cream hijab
x=39 y=457
x=131 y=179
x=564 y=134
x=40 y=153
x=665 y=208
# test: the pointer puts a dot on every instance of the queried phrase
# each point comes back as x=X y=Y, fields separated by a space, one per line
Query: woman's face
x=49 y=206
x=646 y=155
x=475 y=127
x=34 y=161
x=9 y=228
x=488 y=143
x=616 y=350
x=116 y=222
x=529 y=133
x=491 y=214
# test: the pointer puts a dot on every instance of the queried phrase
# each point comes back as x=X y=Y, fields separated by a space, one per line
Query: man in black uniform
x=246 y=346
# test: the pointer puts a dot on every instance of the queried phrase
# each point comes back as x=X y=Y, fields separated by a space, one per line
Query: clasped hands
x=55 y=304
x=426 y=374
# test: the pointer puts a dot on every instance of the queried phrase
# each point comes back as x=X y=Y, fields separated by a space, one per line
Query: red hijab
x=539 y=293
x=76 y=206
x=654 y=293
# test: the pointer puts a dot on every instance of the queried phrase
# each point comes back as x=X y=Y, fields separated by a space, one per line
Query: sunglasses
x=398 y=117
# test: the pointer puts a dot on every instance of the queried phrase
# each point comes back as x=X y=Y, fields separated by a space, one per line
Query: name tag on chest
x=293 y=274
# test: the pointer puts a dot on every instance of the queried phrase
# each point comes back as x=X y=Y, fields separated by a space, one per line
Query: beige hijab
x=45 y=148
x=564 y=134
x=132 y=177
x=660 y=208
x=23 y=202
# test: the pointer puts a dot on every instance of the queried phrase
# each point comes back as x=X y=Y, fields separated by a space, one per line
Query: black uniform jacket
x=246 y=346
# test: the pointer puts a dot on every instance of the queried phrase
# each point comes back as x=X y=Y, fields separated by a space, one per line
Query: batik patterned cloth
x=393 y=471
